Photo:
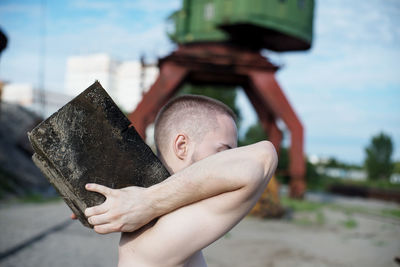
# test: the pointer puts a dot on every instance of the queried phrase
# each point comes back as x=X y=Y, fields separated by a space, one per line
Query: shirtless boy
x=213 y=186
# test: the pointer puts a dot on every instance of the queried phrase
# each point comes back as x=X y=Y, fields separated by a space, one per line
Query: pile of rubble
x=18 y=174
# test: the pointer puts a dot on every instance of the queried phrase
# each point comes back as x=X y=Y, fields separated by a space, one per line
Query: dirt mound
x=18 y=174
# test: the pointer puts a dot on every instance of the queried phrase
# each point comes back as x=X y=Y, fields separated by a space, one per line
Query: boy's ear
x=181 y=144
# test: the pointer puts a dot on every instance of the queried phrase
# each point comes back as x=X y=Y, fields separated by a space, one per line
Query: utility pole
x=40 y=92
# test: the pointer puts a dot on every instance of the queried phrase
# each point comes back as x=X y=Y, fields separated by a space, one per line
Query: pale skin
x=213 y=186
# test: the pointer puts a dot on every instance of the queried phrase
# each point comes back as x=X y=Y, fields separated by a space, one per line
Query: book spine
x=54 y=177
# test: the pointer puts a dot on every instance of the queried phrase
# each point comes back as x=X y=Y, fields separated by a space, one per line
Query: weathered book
x=89 y=140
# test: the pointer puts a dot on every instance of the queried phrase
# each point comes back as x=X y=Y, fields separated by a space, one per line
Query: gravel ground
x=73 y=245
x=256 y=243
x=368 y=241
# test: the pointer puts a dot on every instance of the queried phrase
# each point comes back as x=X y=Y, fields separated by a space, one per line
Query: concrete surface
x=373 y=241
x=74 y=245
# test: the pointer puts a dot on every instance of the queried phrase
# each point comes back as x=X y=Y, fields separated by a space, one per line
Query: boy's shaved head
x=193 y=115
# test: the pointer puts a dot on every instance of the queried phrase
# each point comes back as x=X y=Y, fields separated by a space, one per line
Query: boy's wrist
x=156 y=201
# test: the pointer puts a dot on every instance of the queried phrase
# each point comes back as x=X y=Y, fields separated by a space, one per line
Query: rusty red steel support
x=275 y=136
x=267 y=119
x=224 y=64
x=273 y=96
x=169 y=79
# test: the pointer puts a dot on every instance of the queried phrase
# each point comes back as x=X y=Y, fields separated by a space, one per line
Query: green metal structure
x=279 y=25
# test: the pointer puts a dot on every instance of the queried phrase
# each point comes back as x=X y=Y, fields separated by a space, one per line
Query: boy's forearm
x=125 y=210
x=223 y=172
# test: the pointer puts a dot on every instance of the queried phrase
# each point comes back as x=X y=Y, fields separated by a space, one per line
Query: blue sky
x=345 y=89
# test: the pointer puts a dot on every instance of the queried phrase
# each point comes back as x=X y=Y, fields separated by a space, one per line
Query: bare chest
x=196 y=260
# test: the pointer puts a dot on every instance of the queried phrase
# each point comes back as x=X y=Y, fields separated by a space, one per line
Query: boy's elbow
x=262 y=160
x=268 y=156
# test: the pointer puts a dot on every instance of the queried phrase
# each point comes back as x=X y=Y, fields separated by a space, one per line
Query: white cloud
x=347 y=88
x=85 y=35
x=139 y=5
x=343 y=90
x=28 y=9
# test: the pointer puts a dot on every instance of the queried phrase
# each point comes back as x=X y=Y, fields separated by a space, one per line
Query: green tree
x=254 y=134
x=396 y=168
x=282 y=170
x=332 y=163
x=313 y=178
x=378 y=162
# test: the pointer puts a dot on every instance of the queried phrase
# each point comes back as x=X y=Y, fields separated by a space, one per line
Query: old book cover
x=89 y=140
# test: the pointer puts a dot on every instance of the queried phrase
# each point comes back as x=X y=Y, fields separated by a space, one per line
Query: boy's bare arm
x=176 y=236
x=246 y=168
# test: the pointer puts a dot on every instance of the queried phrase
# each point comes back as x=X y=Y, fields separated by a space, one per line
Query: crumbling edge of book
x=90 y=140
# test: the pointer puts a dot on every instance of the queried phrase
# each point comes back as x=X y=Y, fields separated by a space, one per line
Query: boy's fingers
x=104 y=190
x=105 y=229
x=96 y=210
x=99 y=219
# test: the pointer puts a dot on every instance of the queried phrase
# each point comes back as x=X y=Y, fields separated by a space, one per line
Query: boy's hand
x=125 y=210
